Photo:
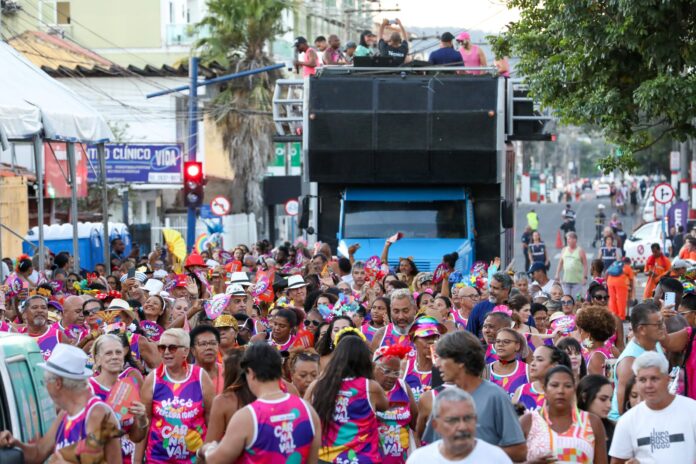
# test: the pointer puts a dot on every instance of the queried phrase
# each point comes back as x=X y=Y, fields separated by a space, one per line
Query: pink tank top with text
x=394 y=437
x=284 y=431
x=351 y=434
x=178 y=426
x=73 y=429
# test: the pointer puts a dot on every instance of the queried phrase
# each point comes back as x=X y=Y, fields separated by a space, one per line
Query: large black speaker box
x=404 y=129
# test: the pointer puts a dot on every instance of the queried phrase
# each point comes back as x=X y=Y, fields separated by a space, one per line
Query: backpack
x=616 y=268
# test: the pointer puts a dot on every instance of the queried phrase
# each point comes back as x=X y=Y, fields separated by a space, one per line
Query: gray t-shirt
x=497 y=421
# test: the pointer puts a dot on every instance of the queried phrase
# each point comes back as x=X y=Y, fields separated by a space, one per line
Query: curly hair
x=596 y=321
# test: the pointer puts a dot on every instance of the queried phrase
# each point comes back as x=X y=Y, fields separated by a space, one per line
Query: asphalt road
x=550 y=220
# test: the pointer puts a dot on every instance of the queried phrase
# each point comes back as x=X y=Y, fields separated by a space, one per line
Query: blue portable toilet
x=58 y=237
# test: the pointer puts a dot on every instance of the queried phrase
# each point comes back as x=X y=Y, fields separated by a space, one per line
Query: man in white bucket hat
x=81 y=415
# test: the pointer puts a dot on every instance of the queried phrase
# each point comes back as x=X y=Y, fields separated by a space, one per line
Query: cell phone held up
x=670 y=299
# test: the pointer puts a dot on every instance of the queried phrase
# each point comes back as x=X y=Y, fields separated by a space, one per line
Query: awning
x=31 y=100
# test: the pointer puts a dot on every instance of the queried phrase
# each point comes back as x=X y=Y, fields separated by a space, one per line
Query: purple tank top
x=530 y=398
x=419 y=382
x=491 y=356
x=394 y=439
x=284 y=431
x=510 y=382
x=48 y=341
x=368 y=331
x=391 y=337
x=73 y=429
x=459 y=321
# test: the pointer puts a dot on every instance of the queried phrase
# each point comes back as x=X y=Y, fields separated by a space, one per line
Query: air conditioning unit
x=9 y=7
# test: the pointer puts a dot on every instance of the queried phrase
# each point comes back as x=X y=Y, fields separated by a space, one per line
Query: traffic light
x=193 y=184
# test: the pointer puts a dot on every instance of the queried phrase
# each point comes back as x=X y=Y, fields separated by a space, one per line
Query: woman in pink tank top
x=596 y=325
x=177 y=397
x=508 y=371
x=109 y=361
x=346 y=398
x=559 y=431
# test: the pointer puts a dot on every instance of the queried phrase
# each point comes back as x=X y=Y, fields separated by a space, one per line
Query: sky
x=487 y=15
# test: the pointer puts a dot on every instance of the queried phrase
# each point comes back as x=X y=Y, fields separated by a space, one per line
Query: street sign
x=292 y=207
x=664 y=193
x=220 y=206
x=138 y=163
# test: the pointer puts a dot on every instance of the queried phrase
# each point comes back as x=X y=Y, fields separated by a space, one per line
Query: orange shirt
x=685 y=253
x=624 y=279
x=660 y=266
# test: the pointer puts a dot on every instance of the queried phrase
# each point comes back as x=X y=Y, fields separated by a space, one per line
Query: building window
x=63 y=12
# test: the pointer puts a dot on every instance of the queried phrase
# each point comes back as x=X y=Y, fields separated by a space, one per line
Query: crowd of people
x=291 y=354
x=391 y=42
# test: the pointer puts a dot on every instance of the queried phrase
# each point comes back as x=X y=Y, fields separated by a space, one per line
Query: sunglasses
x=172 y=348
x=307 y=323
x=566 y=302
x=601 y=297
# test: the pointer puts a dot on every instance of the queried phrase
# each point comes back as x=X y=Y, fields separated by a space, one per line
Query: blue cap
x=536 y=267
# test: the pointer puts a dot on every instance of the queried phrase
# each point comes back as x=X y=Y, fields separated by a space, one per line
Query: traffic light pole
x=192 y=145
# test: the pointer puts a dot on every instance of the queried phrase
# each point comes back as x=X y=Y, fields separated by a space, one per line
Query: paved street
x=550 y=220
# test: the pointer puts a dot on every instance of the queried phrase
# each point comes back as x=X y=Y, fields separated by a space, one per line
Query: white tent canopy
x=32 y=100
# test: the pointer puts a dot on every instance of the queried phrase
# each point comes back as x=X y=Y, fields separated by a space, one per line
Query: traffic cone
x=559 y=240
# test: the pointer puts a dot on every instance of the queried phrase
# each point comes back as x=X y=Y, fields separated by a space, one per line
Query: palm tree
x=237 y=32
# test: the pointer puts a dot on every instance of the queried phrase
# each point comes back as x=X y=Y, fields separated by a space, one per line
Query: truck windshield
x=436 y=219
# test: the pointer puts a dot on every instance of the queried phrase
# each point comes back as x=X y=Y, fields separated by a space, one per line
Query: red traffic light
x=193 y=171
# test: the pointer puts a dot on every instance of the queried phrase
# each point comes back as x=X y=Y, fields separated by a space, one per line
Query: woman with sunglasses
x=346 y=398
x=568 y=305
x=178 y=398
x=508 y=371
x=559 y=431
x=396 y=424
x=380 y=316
x=110 y=358
x=303 y=367
x=596 y=325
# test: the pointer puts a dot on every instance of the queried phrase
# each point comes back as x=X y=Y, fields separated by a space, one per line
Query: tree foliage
x=625 y=66
x=237 y=33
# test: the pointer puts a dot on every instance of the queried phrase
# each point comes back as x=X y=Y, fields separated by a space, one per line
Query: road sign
x=664 y=193
x=220 y=206
x=292 y=207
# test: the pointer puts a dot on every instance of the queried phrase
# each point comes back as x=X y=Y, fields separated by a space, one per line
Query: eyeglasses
x=468 y=419
x=504 y=342
x=211 y=343
x=172 y=348
x=601 y=297
x=567 y=302
x=389 y=372
x=307 y=323
x=473 y=296
x=71 y=281
x=659 y=323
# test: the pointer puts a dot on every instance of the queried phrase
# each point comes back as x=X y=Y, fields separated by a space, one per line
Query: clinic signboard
x=138 y=163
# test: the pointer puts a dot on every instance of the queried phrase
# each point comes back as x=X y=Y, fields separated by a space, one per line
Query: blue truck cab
x=26 y=408
x=434 y=221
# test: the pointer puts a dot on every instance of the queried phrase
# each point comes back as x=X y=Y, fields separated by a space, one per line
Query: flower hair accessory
x=346 y=330
x=395 y=351
x=41 y=291
x=502 y=309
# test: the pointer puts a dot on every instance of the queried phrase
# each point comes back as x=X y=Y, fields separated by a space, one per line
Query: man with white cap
x=82 y=414
x=297 y=290
x=240 y=301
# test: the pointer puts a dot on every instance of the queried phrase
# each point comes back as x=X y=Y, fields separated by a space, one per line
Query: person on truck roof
x=82 y=414
x=397 y=46
x=446 y=54
x=310 y=61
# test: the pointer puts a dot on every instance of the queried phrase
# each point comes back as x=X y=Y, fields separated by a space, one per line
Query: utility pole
x=192 y=144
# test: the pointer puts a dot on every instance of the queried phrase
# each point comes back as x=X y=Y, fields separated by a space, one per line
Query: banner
x=57 y=170
x=678 y=214
x=138 y=163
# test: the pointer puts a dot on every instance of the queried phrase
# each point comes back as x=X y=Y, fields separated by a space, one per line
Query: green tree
x=238 y=32
x=625 y=66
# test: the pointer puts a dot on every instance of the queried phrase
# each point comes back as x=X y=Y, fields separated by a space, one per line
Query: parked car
x=26 y=408
x=602 y=190
x=637 y=246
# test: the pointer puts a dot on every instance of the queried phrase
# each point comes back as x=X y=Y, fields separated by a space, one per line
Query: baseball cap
x=351 y=44
x=679 y=264
x=536 y=267
x=446 y=37
x=462 y=36
x=299 y=40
